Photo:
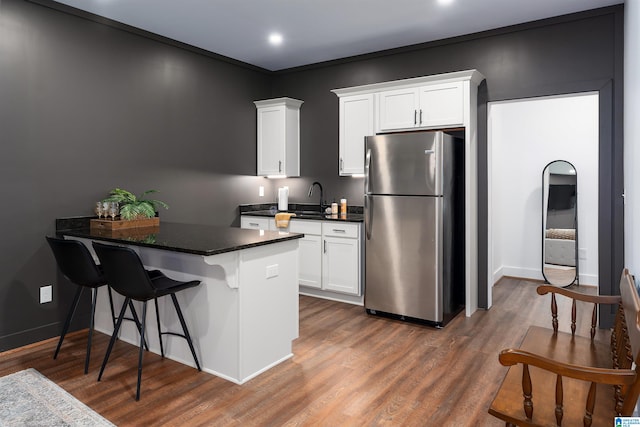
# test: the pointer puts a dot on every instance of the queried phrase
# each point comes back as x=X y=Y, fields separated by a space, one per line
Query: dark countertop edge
x=84 y=233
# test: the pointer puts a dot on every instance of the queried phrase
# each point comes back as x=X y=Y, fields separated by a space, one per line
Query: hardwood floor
x=349 y=369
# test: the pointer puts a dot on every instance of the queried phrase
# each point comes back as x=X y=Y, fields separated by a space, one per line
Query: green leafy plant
x=132 y=207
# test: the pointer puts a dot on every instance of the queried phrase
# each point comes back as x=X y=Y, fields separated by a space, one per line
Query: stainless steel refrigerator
x=414 y=226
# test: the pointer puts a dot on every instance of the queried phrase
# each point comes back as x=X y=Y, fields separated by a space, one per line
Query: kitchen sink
x=309 y=214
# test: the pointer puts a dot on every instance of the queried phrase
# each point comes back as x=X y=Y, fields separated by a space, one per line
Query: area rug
x=28 y=398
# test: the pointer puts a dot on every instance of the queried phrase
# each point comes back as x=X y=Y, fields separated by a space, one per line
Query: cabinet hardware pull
x=420 y=116
x=337 y=230
x=415 y=117
x=325 y=247
x=255 y=224
x=279 y=165
x=341 y=164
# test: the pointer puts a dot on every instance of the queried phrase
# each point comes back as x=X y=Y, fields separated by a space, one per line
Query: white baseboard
x=536 y=274
x=524 y=273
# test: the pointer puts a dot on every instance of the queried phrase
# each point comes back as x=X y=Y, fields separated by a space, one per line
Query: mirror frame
x=545 y=195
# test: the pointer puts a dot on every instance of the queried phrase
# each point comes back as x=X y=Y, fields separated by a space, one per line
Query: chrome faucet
x=311 y=192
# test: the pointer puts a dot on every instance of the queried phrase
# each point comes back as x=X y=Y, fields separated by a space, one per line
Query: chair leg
x=141 y=352
x=94 y=297
x=185 y=330
x=113 y=313
x=114 y=336
x=155 y=300
x=67 y=322
x=134 y=314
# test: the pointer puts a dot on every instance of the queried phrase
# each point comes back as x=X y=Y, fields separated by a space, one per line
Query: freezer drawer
x=403 y=254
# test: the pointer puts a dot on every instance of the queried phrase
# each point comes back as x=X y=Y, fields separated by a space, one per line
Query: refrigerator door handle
x=368 y=213
x=367 y=168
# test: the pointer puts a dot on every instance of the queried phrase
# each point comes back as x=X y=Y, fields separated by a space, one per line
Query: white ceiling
x=320 y=30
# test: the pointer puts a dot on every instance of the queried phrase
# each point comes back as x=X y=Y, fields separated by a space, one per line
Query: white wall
x=524 y=136
x=632 y=134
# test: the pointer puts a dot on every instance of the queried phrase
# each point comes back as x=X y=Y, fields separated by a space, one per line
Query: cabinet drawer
x=306 y=227
x=253 y=222
x=340 y=230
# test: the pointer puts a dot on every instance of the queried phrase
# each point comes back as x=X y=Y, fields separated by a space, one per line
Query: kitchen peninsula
x=244 y=315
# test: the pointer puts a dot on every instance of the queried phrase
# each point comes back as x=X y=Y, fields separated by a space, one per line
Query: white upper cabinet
x=278 y=137
x=356 y=122
x=441 y=105
x=429 y=102
x=434 y=105
x=398 y=109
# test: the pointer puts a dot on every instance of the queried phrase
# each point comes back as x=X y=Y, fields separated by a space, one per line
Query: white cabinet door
x=271 y=140
x=341 y=265
x=255 y=222
x=356 y=122
x=278 y=137
x=441 y=105
x=309 y=252
x=310 y=261
x=398 y=109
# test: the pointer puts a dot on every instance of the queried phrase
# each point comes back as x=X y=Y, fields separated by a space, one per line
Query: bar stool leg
x=94 y=297
x=185 y=330
x=114 y=336
x=113 y=313
x=155 y=300
x=141 y=351
x=67 y=322
x=137 y=321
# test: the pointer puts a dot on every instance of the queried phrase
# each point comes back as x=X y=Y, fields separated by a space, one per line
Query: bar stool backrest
x=124 y=271
x=75 y=262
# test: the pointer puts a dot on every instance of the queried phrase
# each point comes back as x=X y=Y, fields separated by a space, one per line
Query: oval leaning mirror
x=560 y=223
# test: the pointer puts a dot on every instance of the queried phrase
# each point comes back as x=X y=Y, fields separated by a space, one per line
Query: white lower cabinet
x=340 y=267
x=309 y=252
x=328 y=255
x=341 y=257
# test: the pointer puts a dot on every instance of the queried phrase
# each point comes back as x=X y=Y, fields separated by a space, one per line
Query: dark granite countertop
x=303 y=211
x=188 y=238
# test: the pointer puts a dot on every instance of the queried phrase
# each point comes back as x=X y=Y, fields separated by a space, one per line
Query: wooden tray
x=120 y=224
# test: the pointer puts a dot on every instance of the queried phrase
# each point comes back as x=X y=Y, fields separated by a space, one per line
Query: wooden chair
x=557 y=378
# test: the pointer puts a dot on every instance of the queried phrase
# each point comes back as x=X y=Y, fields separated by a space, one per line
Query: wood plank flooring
x=349 y=369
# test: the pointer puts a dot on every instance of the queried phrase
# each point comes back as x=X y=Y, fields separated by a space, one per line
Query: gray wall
x=85 y=107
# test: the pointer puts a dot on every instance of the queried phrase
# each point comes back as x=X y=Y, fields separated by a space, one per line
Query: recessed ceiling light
x=275 y=39
x=445 y=2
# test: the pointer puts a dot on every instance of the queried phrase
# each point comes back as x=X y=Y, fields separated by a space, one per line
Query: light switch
x=272 y=271
x=261 y=191
x=46 y=294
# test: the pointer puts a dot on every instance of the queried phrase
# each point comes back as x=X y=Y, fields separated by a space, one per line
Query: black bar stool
x=76 y=263
x=126 y=274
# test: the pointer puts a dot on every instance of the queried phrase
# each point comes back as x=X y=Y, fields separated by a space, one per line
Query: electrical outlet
x=272 y=271
x=46 y=294
x=261 y=191
x=582 y=253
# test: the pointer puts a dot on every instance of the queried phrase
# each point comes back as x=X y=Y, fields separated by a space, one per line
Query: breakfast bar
x=244 y=315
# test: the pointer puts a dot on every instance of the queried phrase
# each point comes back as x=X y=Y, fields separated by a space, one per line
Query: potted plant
x=132 y=207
